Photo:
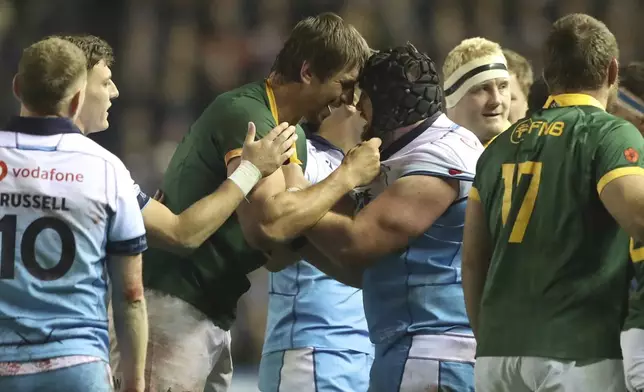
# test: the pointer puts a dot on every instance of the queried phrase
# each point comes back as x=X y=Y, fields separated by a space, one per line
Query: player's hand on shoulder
x=294 y=177
x=270 y=152
x=363 y=162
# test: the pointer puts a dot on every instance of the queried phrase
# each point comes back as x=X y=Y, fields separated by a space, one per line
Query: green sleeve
x=620 y=152
x=231 y=122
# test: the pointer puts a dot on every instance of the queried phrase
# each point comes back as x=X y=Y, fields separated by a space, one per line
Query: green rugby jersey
x=214 y=277
x=558 y=279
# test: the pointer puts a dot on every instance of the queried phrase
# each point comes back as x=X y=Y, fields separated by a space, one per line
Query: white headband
x=470 y=74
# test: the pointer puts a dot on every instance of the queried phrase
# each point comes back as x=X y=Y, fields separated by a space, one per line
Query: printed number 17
x=508 y=171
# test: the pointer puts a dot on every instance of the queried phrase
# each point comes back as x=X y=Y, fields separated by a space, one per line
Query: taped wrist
x=246 y=176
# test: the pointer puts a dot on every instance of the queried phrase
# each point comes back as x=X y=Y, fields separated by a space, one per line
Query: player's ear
x=306 y=75
x=613 y=72
x=16 y=87
x=77 y=100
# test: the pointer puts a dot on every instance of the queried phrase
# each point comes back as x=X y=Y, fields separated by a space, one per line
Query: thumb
x=250 y=136
x=375 y=141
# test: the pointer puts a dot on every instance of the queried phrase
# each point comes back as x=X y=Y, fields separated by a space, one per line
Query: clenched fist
x=362 y=162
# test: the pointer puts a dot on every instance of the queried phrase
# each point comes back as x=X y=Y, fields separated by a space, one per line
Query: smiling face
x=99 y=93
x=338 y=89
x=484 y=109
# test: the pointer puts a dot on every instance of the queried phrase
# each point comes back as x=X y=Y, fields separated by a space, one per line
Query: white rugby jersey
x=66 y=203
x=417 y=290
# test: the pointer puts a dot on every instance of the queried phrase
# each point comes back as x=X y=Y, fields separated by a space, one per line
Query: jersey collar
x=41 y=126
x=562 y=100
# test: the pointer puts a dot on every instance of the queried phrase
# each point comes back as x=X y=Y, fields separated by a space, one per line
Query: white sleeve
x=436 y=161
x=126 y=232
x=142 y=198
x=453 y=158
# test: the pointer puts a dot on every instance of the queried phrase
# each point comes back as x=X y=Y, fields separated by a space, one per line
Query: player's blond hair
x=48 y=72
x=468 y=50
x=521 y=68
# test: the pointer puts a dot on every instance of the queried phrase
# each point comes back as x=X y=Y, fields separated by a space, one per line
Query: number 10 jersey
x=65 y=205
x=558 y=278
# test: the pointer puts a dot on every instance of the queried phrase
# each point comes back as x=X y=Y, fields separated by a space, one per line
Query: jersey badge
x=631 y=155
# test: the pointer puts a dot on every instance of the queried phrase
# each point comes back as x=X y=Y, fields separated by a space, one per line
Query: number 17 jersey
x=558 y=278
x=65 y=205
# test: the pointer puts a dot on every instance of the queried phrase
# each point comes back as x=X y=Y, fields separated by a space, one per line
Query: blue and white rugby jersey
x=418 y=290
x=65 y=205
x=307 y=308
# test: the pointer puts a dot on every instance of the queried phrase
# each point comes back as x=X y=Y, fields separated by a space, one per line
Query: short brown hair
x=47 y=71
x=631 y=77
x=327 y=43
x=94 y=48
x=577 y=54
x=521 y=68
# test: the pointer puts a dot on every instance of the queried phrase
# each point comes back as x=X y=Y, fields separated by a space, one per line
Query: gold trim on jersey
x=236 y=153
x=617 y=173
x=474 y=194
x=562 y=100
x=273 y=107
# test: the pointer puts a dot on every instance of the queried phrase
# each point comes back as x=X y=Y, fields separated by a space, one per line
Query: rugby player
x=403 y=245
x=192 y=301
x=69 y=219
x=521 y=78
x=545 y=258
x=316 y=334
x=477 y=87
x=186 y=231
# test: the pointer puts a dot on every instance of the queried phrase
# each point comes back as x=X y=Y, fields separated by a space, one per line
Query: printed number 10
x=508 y=171
x=8 y=225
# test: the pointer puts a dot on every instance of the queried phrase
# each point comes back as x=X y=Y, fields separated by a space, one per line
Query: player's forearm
x=131 y=327
x=288 y=214
x=346 y=273
x=202 y=219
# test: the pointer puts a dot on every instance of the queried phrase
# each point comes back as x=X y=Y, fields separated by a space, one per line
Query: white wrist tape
x=246 y=176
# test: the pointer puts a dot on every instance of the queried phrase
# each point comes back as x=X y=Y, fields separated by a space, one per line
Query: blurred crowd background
x=174 y=56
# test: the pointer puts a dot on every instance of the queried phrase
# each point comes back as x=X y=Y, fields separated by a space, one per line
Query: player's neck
x=24 y=112
x=390 y=137
x=600 y=95
x=286 y=99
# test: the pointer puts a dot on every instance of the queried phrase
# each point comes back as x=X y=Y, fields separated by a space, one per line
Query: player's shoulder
x=449 y=143
x=242 y=99
x=84 y=146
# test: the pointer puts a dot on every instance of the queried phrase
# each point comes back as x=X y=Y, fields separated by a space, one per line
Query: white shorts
x=186 y=351
x=533 y=374
x=633 y=352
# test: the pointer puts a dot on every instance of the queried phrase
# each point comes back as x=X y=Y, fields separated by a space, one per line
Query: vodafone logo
x=3 y=170
x=39 y=173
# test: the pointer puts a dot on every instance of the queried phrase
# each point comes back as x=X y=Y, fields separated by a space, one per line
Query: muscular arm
x=477 y=253
x=619 y=172
x=187 y=231
x=623 y=197
x=130 y=317
x=274 y=215
x=404 y=211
